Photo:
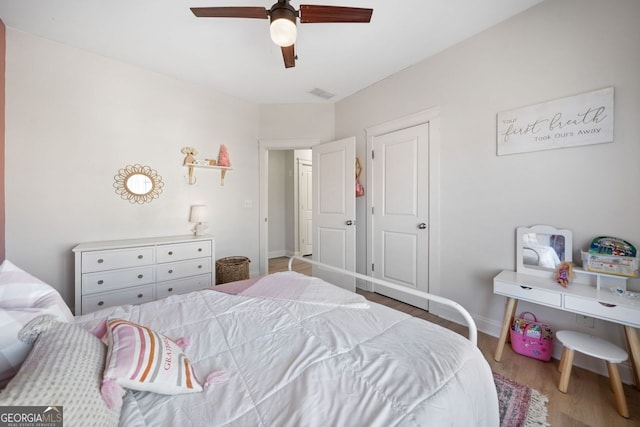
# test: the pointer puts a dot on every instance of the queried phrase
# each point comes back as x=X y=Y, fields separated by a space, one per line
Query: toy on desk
x=611 y=255
x=564 y=273
x=612 y=246
x=623 y=293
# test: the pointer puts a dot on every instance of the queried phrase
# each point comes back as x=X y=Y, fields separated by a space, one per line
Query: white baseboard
x=277 y=254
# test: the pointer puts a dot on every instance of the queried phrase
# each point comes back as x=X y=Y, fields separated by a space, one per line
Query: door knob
x=349 y=222
x=422 y=226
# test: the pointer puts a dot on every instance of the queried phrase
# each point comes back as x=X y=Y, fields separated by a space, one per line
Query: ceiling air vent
x=322 y=93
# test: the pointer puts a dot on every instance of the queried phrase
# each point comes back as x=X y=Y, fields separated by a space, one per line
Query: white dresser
x=135 y=271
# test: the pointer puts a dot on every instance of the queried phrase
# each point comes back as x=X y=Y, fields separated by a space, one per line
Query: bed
x=284 y=350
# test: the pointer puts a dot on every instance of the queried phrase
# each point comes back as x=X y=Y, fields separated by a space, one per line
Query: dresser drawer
x=120 y=258
x=183 y=251
x=178 y=270
x=594 y=308
x=134 y=295
x=183 y=286
x=525 y=293
x=116 y=279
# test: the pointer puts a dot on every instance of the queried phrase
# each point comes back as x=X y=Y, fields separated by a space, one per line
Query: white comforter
x=294 y=363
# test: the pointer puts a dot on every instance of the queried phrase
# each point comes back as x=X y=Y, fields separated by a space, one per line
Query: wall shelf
x=191 y=179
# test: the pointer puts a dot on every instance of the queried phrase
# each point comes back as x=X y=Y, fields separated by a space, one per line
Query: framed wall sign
x=566 y=122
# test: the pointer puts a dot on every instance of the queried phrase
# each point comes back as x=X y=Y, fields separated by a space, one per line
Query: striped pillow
x=142 y=359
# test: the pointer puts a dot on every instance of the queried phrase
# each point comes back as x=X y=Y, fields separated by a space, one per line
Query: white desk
x=581 y=298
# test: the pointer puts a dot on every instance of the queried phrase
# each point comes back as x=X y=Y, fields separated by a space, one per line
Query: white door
x=334 y=208
x=401 y=209
x=305 y=208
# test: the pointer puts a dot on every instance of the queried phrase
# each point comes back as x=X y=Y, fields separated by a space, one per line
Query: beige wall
x=74 y=119
x=297 y=121
x=556 y=49
x=277 y=202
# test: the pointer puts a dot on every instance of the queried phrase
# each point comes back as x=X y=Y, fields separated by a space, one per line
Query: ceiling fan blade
x=310 y=13
x=289 y=56
x=230 y=12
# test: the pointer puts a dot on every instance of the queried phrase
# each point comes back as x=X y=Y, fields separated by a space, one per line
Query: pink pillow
x=139 y=358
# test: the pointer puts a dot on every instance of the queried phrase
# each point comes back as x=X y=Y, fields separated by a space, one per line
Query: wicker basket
x=232 y=268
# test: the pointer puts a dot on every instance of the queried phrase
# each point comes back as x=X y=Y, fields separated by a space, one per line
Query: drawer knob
x=100 y=282
x=170 y=252
x=199 y=266
x=140 y=256
x=170 y=271
x=140 y=295
x=170 y=289
x=140 y=276
x=199 y=249
x=100 y=261
x=101 y=303
x=525 y=287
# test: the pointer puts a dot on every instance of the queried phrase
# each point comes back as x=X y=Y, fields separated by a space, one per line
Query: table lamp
x=198 y=216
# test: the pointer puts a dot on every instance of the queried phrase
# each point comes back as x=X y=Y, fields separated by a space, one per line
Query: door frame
x=431 y=116
x=263 y=147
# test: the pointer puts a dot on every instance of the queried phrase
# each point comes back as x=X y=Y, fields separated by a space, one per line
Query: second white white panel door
x=401 y=207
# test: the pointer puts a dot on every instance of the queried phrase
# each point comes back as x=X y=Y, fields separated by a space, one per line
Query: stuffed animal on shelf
x=223 y=157
x=190 y=155
x=564 y=273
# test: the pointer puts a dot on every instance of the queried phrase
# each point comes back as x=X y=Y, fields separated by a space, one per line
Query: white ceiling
x=237 y=56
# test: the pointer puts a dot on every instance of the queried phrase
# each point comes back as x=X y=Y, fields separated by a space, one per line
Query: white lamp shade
x=198 y=213
x=283 y=32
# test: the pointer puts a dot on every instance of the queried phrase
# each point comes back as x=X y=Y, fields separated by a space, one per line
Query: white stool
x=595 y=347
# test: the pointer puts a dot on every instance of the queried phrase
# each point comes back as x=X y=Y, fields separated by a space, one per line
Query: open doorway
x=279 y=150
x=289 y=196
x=333 y=185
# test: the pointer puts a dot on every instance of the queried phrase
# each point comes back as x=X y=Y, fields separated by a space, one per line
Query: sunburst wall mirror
x=138 y=184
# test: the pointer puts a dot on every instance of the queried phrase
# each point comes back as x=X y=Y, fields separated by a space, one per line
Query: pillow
x=19 y=289
x=22 y=298
x=63 y=369
x=142 y=359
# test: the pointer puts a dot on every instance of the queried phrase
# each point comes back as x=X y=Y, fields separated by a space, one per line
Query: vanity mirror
x=540 y=248
x=138 y=184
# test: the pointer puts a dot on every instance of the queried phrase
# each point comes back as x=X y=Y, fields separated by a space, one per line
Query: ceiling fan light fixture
x=283 y=32
x=283 y=25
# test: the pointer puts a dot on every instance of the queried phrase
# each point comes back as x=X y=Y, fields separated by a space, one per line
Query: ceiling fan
x=283 y=18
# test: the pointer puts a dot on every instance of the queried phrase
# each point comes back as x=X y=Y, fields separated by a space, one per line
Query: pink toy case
x=531 y=338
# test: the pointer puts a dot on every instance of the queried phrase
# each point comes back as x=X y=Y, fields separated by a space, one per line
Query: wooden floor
x=589 y=400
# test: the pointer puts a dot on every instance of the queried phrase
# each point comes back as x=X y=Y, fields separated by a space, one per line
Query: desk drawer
x=593 y=308
x=525 y=293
